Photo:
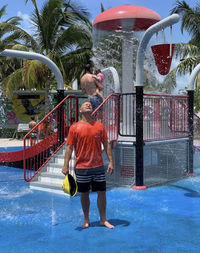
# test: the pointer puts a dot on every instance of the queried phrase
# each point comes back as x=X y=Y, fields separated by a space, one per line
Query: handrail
x=165 y=117
x=108 y=113
x=165 y=95
x=54 y=128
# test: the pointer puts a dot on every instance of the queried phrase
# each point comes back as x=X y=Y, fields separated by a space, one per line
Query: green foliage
x=6 y=132
x=169 y=83
x=197 y=99
x=188 y=52
x=8 y=29
x=102 y=8
x=63 y=33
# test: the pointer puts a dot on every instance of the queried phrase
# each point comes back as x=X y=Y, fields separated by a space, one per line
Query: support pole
x=190 y=90
x=61 y=117
x=139 y=140
x=191 y=131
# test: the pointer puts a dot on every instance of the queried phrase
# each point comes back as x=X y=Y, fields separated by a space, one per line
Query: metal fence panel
x=165 y=117
x=165 y=161
x=124 y=161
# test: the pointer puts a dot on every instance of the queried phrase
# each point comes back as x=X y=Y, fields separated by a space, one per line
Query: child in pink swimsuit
x=100 y=78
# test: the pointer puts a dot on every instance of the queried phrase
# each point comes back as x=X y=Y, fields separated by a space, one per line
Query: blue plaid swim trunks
x=93 y=178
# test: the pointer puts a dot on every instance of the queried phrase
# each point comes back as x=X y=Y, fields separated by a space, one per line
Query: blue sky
x=18 y=8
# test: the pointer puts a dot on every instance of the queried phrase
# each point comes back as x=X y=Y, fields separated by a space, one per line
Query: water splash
x=6 y=193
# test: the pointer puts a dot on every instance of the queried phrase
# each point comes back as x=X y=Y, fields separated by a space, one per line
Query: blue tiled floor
x=162 y=219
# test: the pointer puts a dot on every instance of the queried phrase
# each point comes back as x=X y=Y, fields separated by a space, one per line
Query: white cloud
x=26 y=22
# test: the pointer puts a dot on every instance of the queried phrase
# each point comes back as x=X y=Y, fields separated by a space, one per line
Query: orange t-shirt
x=86 y=139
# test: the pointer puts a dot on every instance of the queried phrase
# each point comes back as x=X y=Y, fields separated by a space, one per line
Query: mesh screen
x=196 y=130
x=165 y=161
x=124 y=161
x=196 y=158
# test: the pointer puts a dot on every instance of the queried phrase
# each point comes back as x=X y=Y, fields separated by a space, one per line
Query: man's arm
x=108 y=151
x=83 y=88
x=68 y=154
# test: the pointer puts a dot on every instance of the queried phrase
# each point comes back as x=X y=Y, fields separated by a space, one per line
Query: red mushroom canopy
x=110 y=20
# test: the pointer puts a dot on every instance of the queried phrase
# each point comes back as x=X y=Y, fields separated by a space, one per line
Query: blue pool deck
x=163 y=219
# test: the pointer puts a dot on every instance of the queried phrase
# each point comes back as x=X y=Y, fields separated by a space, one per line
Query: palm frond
x=190 y=17
x=11 y=83
x=74 y=63
x=74 y=36
x=48 y=23
x=20 y=47
x=102 y=8
x=3 y=10
x=187 y=65
x=74 y=13
x=14 y=20
x=20 y=34
x=195 y=41
x=180 y=7
x=184 y=50
x=35 y=74
x=191 y=22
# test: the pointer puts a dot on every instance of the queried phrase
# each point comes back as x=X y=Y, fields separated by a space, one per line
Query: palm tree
x=188 y=52
x=62 y=33
x=11 y=36
x=9 y=32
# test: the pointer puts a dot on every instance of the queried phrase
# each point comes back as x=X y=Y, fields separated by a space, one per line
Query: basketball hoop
x=163 y=56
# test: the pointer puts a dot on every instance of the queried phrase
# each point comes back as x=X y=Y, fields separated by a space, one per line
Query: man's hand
x=65 y=171
x=68 y=154
x=108 y=151
x=110 y=168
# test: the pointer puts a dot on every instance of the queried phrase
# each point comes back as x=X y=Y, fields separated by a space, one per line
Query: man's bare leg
x=101 y=203
x=85 y=203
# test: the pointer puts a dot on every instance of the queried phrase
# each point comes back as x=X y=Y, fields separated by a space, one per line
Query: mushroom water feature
x=129 y=18
x=126 y=18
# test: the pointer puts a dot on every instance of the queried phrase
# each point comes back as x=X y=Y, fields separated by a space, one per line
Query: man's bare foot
x=85 y=224
x=106 y=224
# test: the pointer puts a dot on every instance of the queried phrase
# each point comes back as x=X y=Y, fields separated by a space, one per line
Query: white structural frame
x=39 y=57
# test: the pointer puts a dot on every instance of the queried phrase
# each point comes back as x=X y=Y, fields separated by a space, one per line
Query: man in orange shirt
x=86 y=137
